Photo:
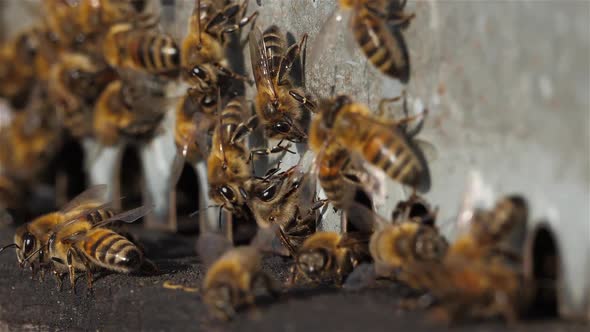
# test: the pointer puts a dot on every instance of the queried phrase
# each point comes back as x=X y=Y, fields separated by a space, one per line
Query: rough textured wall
x=507 y=87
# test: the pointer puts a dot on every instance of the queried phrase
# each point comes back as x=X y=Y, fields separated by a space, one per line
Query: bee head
x=313 y=262
x=220 y=300
x=429 y=245
x=26 y=244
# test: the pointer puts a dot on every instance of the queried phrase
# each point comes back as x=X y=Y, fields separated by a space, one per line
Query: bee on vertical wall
x=381 y=143
x=139 y=46
x=285 y=200
x=76 y=82
x=282 y=109
x=130 y=108
x=203 y=52
x=376 y=27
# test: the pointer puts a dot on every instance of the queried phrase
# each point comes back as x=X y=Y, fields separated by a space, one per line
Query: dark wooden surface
x=122 y=302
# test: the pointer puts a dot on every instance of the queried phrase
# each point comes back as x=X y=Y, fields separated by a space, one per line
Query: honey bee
x=281 y=108
x=232 y=275
x=130 y=109
x=377 y=29
x=411 y=238
x=228 y=165
x=75 y=84
x=83 y=244
x=481 y=275
x=139 y=46
x=381 y=143
x=330 y=256
x=203 y=55
x=31 y=140
x=31 y=238
x=285 y=199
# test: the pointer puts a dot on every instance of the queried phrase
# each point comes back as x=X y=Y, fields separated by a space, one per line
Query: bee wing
x=126 y=217
x=331 y=34
x=363 y=276
x=260 y=60
x=269 y=240
x=477 y=195
x=91 y=195
x=364 y=218
x=211 y=246
x=428 y=149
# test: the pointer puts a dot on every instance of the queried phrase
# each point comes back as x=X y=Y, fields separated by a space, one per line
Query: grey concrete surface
x=507 y=86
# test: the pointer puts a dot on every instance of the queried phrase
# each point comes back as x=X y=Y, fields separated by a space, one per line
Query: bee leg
x=304 y=100
x=264 y=152
x=294 y=276
x=382 y=109
x=244 y=129
x=89 y=276
x=59 y=278
x=71 y=269
x=287 y=60
x=231 y=74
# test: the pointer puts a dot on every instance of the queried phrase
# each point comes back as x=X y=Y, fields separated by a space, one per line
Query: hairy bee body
x=336 y=187
x=230 y=281
x=382 y=144
x=75 y=84
x=112 y=251
x=126 y=46
x=281 y=115
x=185 y=129
x=121 y=114
x=330 y=256
x=227 y=164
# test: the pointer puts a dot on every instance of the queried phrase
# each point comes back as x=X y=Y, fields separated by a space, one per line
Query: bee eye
x=282 y=127
x=208 y=101
x=198 y=72
x=228 y=193
x=28 y=243
x=269 y=193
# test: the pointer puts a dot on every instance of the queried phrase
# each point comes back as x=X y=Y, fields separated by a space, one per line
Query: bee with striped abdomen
x=140 y=46
x=381 y=143
x=203 y=52
x=282 y=108
x=376 y=28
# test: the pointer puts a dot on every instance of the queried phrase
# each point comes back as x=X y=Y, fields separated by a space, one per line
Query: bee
x=383 y=144
x=140 y=47
x=76 y=83
x=83 y=244
x=281 y=108
x=31 y=140
x=285 y=199
x=330 y=256
x=186 y=126
x=130 y=109
x=203 y=54
x=31 y=238
x=228 y=165
x=377 y=29
x=406 y=242
x=481 y=275
x=232 y=276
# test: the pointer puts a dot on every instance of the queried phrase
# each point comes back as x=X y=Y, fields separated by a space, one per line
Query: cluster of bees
x=84 y=71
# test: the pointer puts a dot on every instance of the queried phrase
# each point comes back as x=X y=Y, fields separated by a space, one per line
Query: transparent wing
x=211 y=246
x=260 y=60
x=428 y=149
x=477 y=195
x=269 y=240
x=91 y=195
x=335 y=32
x=365 y=219
x=126 y=217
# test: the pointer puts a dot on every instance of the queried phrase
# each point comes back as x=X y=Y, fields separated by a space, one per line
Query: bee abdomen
x=99 y=215
x=394 y=157
x=155 y=53
x=275 y=47
x=113 y=251
x=384 y=46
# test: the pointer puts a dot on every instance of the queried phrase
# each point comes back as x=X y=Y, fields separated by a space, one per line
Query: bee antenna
x=9 y=245
x=199 y=210
x=199 y=24
x=26 y=260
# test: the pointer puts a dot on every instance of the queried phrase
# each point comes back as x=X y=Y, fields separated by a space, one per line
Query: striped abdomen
x=384 y=46
x=153 y=52
x=275 y=48
x=231 y=116
x=96 y=216
x=111 y=250
x=388 y=149
x=330 y=176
